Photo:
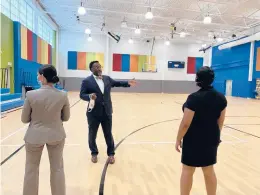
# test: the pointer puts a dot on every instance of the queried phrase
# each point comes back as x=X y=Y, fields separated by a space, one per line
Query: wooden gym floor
x=146 y=161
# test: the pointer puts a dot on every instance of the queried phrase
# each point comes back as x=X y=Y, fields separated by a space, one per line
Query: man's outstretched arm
x=115 y=83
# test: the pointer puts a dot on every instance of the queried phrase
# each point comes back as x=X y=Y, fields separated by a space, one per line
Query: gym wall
x=164 y=80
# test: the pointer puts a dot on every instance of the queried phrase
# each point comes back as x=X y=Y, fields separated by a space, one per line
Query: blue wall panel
x=72 y=60
x=34 y=47
x=25 y=72
x=199 y=63
x=232 y=64
x=17 y=55
x=125 y=63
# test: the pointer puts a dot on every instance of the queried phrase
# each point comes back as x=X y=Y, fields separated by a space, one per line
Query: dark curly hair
x=91 y=64
x=205 y=77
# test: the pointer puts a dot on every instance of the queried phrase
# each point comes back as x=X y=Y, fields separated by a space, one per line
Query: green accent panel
x=141 y=61
x=7 y=47
x=54 y=49
x=90 y=57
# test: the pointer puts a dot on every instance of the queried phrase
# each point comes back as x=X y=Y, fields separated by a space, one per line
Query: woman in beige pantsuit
x=45 y=109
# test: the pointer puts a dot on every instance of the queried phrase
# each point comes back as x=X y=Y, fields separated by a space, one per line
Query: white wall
x=207 y=57
x=69 y=41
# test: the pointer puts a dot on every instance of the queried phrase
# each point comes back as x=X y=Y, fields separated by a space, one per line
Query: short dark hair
x=205 y=77
x=50 y=73
x=91 y=64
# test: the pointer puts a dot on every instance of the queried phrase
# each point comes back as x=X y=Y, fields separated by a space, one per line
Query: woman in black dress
x=204 y=114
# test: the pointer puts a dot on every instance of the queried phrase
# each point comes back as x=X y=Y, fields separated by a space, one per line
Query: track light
x=124 y=24
x=182 y=34
x=207 y=20
x=81 y=10
x=87 y=31
x=90 y=38
x=149 y=14
x=137 y=30
x=130 y=41
x=167 y=42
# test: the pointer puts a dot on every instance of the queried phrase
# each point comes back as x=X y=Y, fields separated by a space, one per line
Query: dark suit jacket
x=89 y=86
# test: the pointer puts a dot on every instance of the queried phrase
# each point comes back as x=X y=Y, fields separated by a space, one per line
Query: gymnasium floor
x=146 y=161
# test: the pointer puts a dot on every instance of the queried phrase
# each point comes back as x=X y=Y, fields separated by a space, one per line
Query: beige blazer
x=45 y=109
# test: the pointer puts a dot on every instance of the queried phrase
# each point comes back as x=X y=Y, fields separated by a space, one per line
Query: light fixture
x=81 y=10
x=204 y=46
x=167 y=42
x=123 y=24
x=219 y=39
x=207 y=19
x=182 y=34
x=137 y=30
x=90 y=38
x=87 y=31
x=149 y=14
x=130 y=41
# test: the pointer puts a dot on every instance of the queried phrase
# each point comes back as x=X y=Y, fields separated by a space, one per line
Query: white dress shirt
x=100 y=84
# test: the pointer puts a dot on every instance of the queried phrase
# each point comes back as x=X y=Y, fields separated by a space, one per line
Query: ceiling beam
x=153 y=7
x=161 y=17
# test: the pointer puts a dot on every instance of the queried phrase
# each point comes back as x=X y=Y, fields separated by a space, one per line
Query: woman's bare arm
x=221 y=119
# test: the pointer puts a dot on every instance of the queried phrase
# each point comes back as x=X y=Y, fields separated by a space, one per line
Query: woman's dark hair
x=205 y=77
x=50 y=73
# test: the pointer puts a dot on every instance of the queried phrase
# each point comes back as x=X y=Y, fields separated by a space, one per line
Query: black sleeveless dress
x=200 y=143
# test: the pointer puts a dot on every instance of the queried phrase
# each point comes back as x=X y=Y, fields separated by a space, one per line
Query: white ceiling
x=240 y=17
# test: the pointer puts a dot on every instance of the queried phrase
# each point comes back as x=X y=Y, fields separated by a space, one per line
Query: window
x=29 y=17
x=40 y=27
x=22 y=7
x=21 y=11
x=15 y=10
x=5 y=7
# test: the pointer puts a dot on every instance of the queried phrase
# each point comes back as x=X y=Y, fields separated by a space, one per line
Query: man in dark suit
x=97 y=87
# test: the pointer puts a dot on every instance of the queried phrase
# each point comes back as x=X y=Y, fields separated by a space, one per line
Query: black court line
x=227 y=116
x=238 y=124
x=242 y=131
x=243 y=124
x=17 y=150
x=103 y=176
x=10 y=156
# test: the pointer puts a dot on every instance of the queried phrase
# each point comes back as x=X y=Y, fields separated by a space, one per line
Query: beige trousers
x=33 y=157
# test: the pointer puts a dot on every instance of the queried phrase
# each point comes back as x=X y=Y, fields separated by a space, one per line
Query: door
x=228 y=87
x=257 y=90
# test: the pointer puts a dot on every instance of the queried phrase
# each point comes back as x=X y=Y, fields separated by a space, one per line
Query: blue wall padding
x=232 y=64
x=199 y=63
x=72 y=60
x=125 y=63
x=34 y=47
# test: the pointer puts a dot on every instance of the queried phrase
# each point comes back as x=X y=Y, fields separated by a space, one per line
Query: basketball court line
x=10 y=135
x=17 y=145
x=103 y=176
x=242 y=131
x=170 y=143
x=25 y=127
x=17 y=150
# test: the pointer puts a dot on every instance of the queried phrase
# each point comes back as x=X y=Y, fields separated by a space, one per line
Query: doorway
x=229 y=87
